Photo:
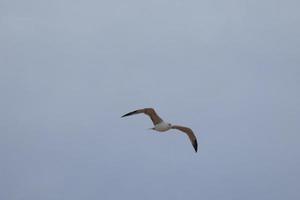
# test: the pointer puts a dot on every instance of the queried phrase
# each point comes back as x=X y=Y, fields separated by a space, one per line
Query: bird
x=162 y=126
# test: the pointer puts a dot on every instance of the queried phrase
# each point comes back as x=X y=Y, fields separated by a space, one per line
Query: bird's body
x=161 y=126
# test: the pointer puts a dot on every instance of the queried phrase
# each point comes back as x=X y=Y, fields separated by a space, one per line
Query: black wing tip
x=130 y=113
x=195 y=145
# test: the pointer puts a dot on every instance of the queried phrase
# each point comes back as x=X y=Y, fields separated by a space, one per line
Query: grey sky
x=228 y=69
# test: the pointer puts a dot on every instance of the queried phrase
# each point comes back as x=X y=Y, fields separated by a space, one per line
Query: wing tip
x=195 y=145
x=130 y=113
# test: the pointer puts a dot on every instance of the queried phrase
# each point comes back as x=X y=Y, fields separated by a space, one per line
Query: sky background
x=230 y=70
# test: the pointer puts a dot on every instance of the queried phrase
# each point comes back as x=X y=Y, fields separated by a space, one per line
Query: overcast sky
x=69 y=69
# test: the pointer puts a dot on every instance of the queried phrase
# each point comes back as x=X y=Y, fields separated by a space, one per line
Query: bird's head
x=170 y=125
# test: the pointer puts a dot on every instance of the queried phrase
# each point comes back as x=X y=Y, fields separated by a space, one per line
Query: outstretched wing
x=148 y=111
x=190 y=133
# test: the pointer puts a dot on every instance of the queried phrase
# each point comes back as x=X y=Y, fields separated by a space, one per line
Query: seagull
x=161 y=126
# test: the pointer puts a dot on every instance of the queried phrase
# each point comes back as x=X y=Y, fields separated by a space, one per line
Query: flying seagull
x=161 y=126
